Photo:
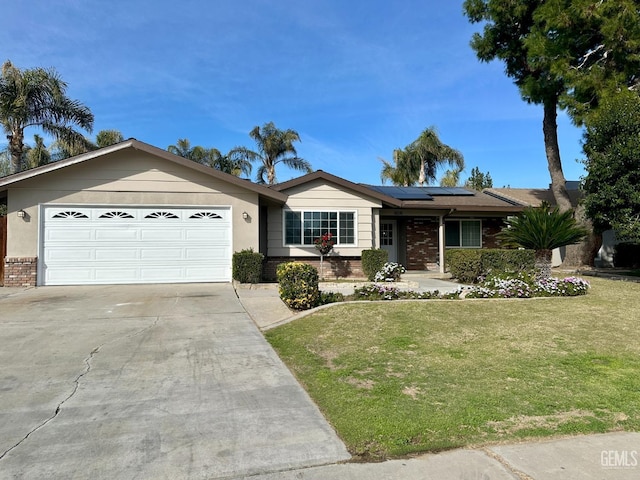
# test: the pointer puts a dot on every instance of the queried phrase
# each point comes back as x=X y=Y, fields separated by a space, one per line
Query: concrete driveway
x=149 y=381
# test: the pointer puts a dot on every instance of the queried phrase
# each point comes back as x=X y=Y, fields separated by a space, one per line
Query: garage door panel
x=97 y=245
x=161 y=254
x=60 y=233
x=218 y=235
x=70 y=255
x=161 y=234
x=114 y=254
x=209 y=254
x=120 y=233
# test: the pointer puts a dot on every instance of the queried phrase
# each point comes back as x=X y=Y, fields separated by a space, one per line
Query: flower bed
x=526 y=286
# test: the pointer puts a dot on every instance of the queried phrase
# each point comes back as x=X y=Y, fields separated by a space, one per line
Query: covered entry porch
x=419 y=240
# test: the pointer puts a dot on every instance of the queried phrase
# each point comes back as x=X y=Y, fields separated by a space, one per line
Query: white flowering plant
x=390 y=272
x=523 y=285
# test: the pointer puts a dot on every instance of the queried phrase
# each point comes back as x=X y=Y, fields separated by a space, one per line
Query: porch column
x=441 y=243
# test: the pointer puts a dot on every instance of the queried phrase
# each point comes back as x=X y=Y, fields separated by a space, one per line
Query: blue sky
x=355 y=79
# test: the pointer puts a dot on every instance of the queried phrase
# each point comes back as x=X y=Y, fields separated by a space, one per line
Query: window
x=463 y=233
x=303 y=228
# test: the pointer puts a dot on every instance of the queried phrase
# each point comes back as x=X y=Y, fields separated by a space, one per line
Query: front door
x=389 y=238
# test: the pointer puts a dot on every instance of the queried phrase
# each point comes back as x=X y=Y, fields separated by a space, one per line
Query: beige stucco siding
x=130 y=179
x=323 y=196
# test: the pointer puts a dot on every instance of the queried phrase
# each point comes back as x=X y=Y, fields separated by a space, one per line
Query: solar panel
x=420 y=193
x=449 y=191
x=402 y=193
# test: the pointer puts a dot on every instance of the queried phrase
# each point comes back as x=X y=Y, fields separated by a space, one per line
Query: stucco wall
x=323 y=196
x=126 y=178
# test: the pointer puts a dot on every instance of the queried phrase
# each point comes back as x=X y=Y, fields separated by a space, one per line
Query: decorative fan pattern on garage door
x=70 y=214
x=116 y=214
x=205 y=215
x=161 y=215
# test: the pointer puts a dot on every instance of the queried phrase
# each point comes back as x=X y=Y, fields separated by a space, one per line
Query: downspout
x=441 y=240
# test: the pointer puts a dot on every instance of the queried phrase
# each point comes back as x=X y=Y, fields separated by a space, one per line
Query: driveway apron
x=148 y=382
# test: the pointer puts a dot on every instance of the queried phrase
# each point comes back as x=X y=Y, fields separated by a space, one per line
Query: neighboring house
x=535 y=196
x=133 y=213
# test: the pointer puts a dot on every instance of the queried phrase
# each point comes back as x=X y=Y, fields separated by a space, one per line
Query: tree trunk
x=16 y=145
x=550 y=130
x=543 y=263
x=581 y=253
x=271 y=174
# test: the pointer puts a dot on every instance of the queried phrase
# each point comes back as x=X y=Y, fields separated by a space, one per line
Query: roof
x=132 y=143
x=357 y=187
x=420 y=193
x=432 y=198
x=531 y=196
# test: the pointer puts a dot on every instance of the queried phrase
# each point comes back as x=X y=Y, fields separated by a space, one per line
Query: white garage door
x=108 y=245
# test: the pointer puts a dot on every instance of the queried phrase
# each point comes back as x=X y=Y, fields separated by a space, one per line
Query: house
x=535 y=196
x=133 y=213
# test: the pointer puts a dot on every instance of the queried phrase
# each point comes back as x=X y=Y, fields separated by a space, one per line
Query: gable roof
x=341 y=182
x=132 y=143
x=432 y=198
x=532 y=196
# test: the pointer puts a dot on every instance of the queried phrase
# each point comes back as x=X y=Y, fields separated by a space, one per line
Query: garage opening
x=83 y=245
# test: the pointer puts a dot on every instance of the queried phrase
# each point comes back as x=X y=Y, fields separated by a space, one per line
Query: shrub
x=247 y=266
x=298 y=285
x=465 y=265
x=627 y=255
x=390 y=272
x=469 y=265
x=330 y=297
x=373 y=260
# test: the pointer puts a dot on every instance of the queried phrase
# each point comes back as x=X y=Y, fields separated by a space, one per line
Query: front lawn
x=400 y=377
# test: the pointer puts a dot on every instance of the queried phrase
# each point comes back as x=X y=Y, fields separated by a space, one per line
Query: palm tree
x=451 y=178
x=542 y=229
x=400 y=172
x=106 y=138
x=36 y=97
x=418 y=162
x=37 y=155
x=211 y=157
x=274 y=146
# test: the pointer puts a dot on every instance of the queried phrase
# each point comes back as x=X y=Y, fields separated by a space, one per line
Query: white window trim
x=464 y=220
x=316 y=210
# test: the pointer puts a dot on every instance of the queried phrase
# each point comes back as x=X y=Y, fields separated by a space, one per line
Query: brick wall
x=20 y=271
x=422 y=243
x=490 y=228
x=334 y=267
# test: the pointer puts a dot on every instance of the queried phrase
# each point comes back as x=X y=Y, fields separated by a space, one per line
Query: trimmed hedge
x=298 y=285
x=468 y=264
x=247 y=266
x=373 y=261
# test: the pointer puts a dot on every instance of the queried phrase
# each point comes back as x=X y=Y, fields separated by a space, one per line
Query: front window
x=463 y=233
x=303 y=228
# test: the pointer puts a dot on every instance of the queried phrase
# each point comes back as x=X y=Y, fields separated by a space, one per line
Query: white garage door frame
x=93 y=244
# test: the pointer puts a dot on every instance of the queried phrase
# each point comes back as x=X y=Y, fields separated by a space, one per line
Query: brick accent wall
x=334 y=267
x=20 y=271
x=422 y=243
x=490 y=228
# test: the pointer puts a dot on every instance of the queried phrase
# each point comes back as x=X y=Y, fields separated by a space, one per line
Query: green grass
x=400 y=377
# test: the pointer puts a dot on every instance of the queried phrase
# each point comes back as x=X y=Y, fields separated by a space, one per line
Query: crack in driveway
x=76 y=385
x=76 y=382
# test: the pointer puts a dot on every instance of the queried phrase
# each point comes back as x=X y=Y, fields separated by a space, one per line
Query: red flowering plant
x=324 y=243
